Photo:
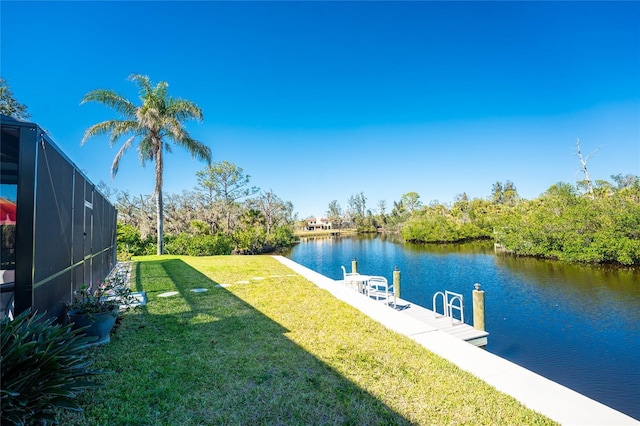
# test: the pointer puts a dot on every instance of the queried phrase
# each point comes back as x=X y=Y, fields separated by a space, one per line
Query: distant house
x=314 y=224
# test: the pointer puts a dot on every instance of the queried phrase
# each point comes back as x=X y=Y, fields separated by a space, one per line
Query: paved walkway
x=555 y=401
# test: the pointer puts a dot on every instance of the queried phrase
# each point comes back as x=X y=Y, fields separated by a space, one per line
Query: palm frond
x=146 y=151
x=98 y=129
x=112 y=100
x=160 y=93
x=183 y=110
x=121 y=128
x=116 y=161
x=175 y=130
x=200 y=151
x=181 y=137
x=143 y=82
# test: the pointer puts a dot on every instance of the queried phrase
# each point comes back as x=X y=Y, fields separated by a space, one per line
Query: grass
x=273 y=351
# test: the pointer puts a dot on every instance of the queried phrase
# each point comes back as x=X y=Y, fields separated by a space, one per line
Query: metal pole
x=354 y=266
x=478 y=308
x=396 y=282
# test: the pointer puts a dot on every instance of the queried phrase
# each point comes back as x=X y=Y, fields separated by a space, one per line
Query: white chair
x=378 y=288
x=347 y=278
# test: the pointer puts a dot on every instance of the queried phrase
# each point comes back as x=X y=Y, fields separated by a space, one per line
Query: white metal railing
x=449 y=300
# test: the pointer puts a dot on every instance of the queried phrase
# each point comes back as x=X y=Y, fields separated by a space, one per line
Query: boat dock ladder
x=450 y=301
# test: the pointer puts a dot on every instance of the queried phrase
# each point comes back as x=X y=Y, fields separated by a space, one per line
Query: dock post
x=396 y=282
x=478 y=308
x=354 y=266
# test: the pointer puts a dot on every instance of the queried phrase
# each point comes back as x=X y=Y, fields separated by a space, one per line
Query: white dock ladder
x=449 y=300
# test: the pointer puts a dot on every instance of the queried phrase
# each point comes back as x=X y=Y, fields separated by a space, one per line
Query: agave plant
x=44 y=367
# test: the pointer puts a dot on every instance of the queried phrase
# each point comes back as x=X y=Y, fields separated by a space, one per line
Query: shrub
x=197 y=245
x=249 y=240
x=130 y=243
x=44 y=368
x=281 y=236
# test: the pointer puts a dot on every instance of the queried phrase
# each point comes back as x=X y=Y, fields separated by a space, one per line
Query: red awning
x=7 y=212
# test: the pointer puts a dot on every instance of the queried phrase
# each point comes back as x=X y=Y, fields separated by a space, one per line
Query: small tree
x=9 y=105
x=506 y=193
x=357 y=208
x=411 y=201
x=334 y=213
x=225 y=182
x=274 y=211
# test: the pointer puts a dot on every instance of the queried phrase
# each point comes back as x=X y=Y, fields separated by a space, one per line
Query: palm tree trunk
x=159 y=204
x=160 y=225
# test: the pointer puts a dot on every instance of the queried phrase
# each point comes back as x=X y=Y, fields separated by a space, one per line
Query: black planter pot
x=98 y=325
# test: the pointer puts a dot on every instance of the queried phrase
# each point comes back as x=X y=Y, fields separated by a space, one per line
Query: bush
x=44 y=368
x=249 y=240
x=282 y=236
x=197 y=245
x=563 y=224
x=130 y=243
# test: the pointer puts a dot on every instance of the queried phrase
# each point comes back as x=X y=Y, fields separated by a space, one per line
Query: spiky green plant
x=44 y=367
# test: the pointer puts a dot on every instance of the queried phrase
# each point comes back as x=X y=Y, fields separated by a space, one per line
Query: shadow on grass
x=212 y=358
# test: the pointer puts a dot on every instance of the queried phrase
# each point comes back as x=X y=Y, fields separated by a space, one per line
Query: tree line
x=222 y=215
x=591 y=222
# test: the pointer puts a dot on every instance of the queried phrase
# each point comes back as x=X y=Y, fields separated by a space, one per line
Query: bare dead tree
x=583 y=163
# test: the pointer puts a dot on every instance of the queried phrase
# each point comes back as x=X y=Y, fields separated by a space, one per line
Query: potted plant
x=96 y=312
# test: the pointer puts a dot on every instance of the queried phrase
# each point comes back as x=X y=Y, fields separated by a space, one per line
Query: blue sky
x=319 y=101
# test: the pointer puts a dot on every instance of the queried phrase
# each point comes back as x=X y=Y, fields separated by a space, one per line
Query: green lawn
x=274 y=351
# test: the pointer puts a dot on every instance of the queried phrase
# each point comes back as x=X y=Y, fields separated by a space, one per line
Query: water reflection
x=616 y=279
x=610 y=296
x=473 y=248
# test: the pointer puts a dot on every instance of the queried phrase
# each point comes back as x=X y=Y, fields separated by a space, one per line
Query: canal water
x=576 y=325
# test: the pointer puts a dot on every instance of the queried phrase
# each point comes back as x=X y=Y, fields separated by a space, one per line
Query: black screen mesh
x=53 y=207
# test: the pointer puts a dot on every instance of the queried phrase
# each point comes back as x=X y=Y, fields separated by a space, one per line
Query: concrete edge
x=545 y=396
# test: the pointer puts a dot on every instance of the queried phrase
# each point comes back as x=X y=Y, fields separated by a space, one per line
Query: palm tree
x=152 y=124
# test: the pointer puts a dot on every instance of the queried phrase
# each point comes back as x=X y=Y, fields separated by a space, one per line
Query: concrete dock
x=555 y=401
